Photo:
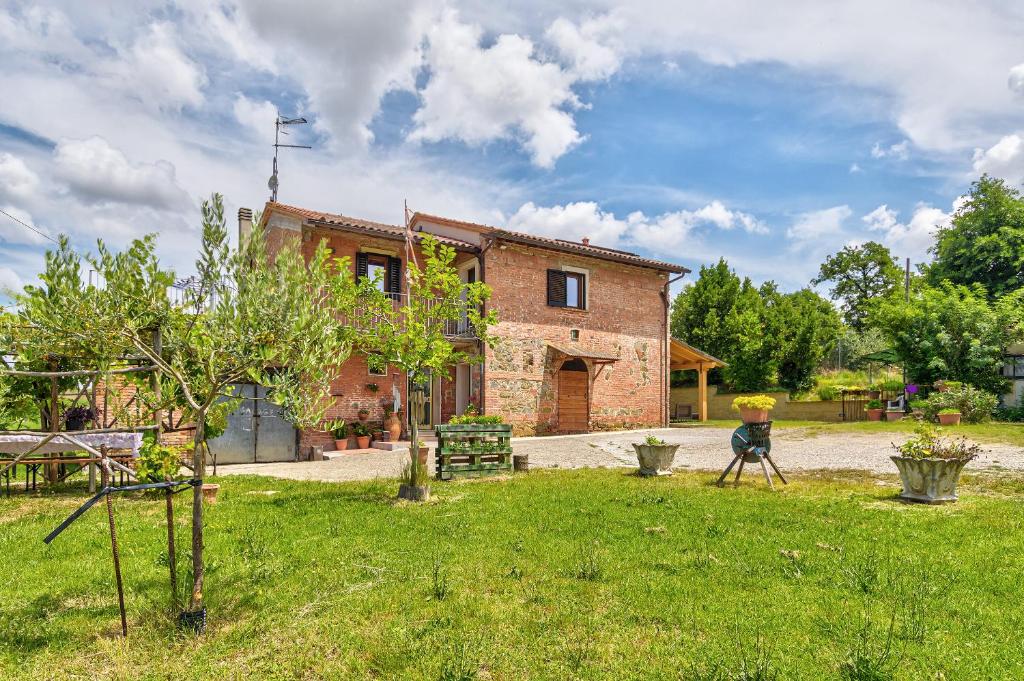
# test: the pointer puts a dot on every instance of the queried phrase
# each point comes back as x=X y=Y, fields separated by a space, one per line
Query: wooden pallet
x=473 y=450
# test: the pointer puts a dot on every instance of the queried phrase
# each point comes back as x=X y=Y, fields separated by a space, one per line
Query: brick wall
x=625 y=316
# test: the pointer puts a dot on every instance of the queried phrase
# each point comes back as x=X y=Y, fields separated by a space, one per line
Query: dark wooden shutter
x=583 y=291
x=361 y=265
x=556 y=288
x=394 y=275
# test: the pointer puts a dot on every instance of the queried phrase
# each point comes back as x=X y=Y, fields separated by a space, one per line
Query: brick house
x=582 y=341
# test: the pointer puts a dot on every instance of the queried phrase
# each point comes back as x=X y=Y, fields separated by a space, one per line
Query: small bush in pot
x=917 y=407
x=974 y=405
x=76 y=418
x=874 y=409
x=753 y=408
x=930 y=465
x=362 y=433
x=949 y=416
x=339 y=431
x=655 y=456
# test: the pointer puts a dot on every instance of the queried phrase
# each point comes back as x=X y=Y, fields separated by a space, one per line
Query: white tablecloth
x=18 y=444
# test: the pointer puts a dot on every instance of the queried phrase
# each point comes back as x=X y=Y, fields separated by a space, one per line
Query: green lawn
x=554 y=575
x=1010 y=433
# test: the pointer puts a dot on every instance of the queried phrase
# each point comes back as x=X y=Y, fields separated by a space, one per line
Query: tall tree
x=250 y=318
x=752 y=327
x=860 y=276
x=984 y=243
x=809 y=328
x=410 y=333
x=700 y=310
x=953 y=332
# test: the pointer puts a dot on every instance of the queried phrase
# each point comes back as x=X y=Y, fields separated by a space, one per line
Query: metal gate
x=256 y=431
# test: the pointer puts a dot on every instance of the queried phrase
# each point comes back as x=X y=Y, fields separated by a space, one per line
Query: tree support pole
x=113 y=548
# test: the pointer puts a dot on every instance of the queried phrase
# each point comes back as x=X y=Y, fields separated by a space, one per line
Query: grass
x=550 y=575
x=1008 y=433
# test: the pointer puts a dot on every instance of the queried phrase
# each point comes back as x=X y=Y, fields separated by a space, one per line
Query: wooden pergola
x=686 y=357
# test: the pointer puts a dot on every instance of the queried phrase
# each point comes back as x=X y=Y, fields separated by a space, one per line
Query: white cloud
x=899 y=151
x=661 y=233
x=478 y=94
x=159 y=72
x=10 y=281
x=1003 y=159
x=98 y=172
x=1016 y=79
x=912 y=239
x=258 y=117
x=17 y=180
x=592 y=48
x=816 y=224
x=855 y=168
x=13 y=233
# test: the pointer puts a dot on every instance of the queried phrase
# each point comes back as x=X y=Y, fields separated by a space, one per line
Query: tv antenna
x=278 y=122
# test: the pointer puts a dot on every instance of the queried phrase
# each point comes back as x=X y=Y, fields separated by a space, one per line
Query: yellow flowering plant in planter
x=753 y=408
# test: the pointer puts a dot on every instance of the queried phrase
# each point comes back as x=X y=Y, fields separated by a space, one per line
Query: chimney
x=586 y=241
x=244 y=225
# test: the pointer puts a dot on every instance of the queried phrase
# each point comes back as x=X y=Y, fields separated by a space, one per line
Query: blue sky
x=686 y=131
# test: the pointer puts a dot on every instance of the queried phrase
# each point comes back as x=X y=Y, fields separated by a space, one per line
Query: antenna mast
x=278 y=122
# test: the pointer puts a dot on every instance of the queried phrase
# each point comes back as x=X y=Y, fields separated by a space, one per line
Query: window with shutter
x=394 y=275
x=362 y=260
x=556 y=288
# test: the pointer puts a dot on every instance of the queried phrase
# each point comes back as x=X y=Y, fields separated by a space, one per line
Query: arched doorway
x=574 y=397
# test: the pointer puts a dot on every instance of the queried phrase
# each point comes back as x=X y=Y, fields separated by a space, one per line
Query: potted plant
x=874 y=409
x=76 y=418
x=930 y=465
x=874 y=391
x=339 y=431
x=372 y=387
x=363 y=415
x=949 y=416
x=917 y=408
x=655 y=456
x=753 y=408
x=392 y=424
x=362 y=433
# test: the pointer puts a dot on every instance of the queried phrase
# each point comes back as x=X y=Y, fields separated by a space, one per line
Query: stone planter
x=210 y=492
x=655 y=459
x=874 y=414
x=752 y=415
x=949 y=419
x=894 y=414
x=521 y=463
x=929 y=480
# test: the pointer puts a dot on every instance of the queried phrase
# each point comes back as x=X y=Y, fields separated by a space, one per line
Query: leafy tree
x=410 y=334
x=953 y=332
x=860 y=275
x=752 y=327
x=984 y=244
x=700 y=311
x=250 y=318
x=808 y=329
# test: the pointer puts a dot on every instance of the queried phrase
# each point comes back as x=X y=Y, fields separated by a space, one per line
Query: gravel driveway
x=699 y=449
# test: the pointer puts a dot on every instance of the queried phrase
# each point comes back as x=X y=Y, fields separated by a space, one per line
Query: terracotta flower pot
x=210 y=492
x=393 y=425
x=874 y=414
x=362 y=441
x=748 y=415
x=341 y=444
x=949 y=419
x=424 y=452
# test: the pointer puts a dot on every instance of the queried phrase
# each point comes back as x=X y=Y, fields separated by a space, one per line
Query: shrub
x=893 y=386
x=652 y=441
x=829 y=392
x=974 y=405
x=360 y=429
x=874 y=404
x=918 y=404
x=949 y=410
x=1013 y=414
x=753 y=402
x=157 y=463
x=480 y=419
x=928 y=443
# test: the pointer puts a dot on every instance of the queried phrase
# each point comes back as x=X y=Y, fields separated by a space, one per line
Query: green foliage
x=360 y=429
x=874 y=404
x=700 y=310
x=481 y=419
x=953 y=332
x=411 y=335
x=984 y=244
x=158 y=463
x=753 y=402
x=653 y=441
x=928 y=443
x=973 y=405
x=860 y=276
x=337 y=429
x=807 y=330
x=1014 y=414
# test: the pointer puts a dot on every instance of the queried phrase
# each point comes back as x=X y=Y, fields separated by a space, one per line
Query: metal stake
x=113 y=548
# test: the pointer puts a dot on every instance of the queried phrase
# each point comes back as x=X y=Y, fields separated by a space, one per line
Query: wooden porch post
x=702 y=391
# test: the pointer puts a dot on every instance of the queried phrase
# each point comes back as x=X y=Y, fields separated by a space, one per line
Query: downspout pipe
x=482 y=346
x=665 y=359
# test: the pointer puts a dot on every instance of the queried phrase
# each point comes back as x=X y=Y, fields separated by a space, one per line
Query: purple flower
x=911 y=389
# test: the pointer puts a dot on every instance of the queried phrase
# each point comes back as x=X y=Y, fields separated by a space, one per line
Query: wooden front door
x=573 y=397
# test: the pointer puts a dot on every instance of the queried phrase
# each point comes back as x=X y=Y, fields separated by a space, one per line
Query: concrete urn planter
x=655 y=459
x=929 y=480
